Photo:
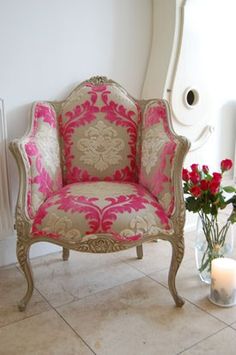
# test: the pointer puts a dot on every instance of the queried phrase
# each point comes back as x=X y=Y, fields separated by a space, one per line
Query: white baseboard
x=8 y=250
x=8 y=247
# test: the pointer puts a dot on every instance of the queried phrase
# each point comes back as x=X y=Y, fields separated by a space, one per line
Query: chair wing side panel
x=38 y=158
x=162 y=155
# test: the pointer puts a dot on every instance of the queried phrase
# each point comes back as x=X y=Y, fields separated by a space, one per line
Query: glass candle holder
x=223 y=282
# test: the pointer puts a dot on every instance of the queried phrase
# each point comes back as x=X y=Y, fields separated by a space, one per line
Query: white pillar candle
x=223 y=282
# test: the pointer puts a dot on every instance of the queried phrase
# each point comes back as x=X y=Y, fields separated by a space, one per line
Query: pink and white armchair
x=100 y=172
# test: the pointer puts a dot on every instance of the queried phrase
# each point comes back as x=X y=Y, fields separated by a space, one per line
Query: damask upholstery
x=98 y=131
x=100 y=172
x=41 y=151
x=125 y=211
x=157 y=157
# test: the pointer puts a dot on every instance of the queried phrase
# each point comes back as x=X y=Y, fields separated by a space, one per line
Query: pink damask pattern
x=158 y=150
x=42 y=151
x=85 y=108
x=83 y=209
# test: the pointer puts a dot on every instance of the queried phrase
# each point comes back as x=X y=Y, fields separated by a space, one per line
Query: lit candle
x=223 y=282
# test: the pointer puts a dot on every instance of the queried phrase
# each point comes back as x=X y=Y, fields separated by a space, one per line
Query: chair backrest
x=98 y=125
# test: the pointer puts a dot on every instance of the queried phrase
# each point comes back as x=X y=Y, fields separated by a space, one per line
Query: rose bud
x=204 y=184
x=217 y=177
x=214 y=186
x=205 y=169
x=194 y=177
x=185 y=175
x=226 y=164
x=196 y=191
x=194 y=167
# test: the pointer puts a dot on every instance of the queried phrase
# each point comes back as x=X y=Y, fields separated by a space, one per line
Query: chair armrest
x=38 y=158
x=162 y=155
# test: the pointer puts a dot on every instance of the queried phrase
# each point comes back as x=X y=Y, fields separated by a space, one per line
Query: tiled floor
x=113 y=304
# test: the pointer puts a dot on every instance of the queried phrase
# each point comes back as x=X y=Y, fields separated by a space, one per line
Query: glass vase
x=214 y=239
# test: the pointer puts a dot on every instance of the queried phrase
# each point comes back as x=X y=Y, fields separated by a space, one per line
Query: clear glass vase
x=213 y=240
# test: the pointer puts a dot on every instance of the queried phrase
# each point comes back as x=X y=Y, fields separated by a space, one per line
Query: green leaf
x=232 y=217
x=186 y=189
x=206 y=209
x=192 y=204
x=229 y=189
x=214 y=210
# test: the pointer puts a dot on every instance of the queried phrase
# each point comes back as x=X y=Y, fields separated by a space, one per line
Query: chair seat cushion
x=125 y=212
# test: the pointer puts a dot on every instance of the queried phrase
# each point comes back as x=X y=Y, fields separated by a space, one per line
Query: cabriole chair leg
x=65 y=254
x=139 y=251
x=23 y=258
x=177 y=256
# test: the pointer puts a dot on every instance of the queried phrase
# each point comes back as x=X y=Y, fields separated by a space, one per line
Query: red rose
x=194 y=167
x=226 y=164
x=204 y=184
x=214 y=186
x=194 y=177
x=205 y=169
x=185 y=175
x=196 y=191
x=217 y=177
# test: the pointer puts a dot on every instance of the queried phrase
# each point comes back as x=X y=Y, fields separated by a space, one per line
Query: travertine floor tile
x=138 y=318
x=45 y=333
x=156 y=256
x=222 y=343
x=64 y=281
x=193 y=289
x=234 y=324
x=12 y=288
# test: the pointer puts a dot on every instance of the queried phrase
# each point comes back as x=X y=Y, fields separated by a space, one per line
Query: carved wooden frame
x=103 y=244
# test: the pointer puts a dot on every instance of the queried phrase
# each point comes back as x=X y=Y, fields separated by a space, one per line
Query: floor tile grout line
x=134 y=267
x=144 y=275
x=91 y=294
x=207 y=312
x=74 y=331
x=20 y=320
x=194 y=304
x=79 y=336
x=225 y=327
x=200 y=341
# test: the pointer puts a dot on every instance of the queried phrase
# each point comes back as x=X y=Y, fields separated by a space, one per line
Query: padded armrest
x=38 y=158
x=162 y=156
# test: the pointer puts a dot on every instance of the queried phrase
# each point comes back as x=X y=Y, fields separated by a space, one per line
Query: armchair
x=100 y=172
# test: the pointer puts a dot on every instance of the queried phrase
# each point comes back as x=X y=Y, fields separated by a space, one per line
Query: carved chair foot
x=139 y=251
x=22 y=306
x=177 y=256
x=65 y=254
x=179 y=301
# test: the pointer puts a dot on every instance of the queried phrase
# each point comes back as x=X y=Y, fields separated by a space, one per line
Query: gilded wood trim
x=97 y=80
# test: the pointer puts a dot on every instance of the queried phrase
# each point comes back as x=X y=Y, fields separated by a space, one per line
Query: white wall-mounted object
x=6 y=220
x=175 y=67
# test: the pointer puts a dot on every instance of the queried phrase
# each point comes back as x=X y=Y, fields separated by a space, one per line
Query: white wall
x=48 y=46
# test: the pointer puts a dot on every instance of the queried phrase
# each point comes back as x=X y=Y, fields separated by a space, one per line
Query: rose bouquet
x=206 y=196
